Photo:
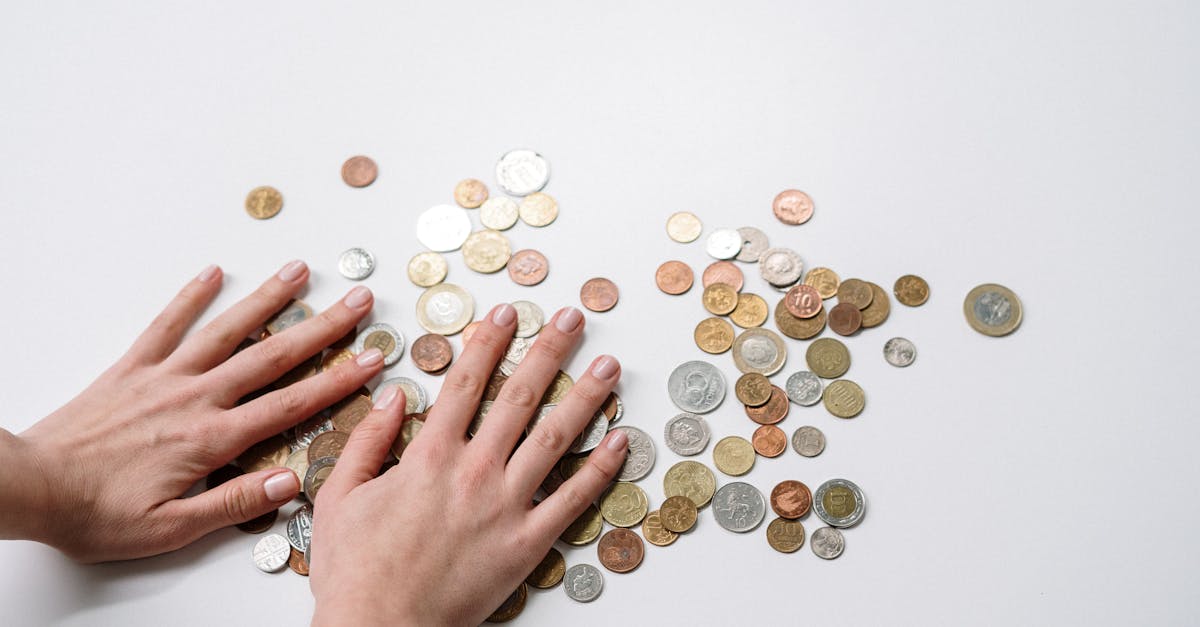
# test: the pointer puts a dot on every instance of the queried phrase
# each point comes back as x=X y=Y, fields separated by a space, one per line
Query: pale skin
x=441 y=538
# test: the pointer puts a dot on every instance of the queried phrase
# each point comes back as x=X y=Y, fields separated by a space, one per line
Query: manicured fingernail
x=369 y=357
x=605 y=367
x=504 y=314
x=291 y=271
x=568 y=319
x=208 y=273
x=617 y=440
x=389 y=395
x=357 y=297
x=281 y=486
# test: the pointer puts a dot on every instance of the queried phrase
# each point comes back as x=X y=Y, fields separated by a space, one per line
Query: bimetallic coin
x=781 y=267
x=844 y=398
x=696 y=387
x=824 y=280
x=443 y=228
x=808 y=441
x=791 y=499
x=785 y=536
x=530 y=318
x=674 y=277
x=739 y=507
x=723 y=244
x=432 y=353
x=327 y=444
x=877 y=312
x=845 y=319
x=911 y=290
x=828 y=543
x=754 y=242
x=584 y=529
x=427 y=269
x=714 y=335
x=271 y=553
x=723 y=272
x=798 y=328
x=750 y=311
x=486 y=251
x=899 y=352
x=522 y=172
x=415 y=398
x=583 y=583
x=691 y=479
x=511 y=607
x=769 y=441
x=599 y=294
x=640 y=458
x=773 y=411
x=538 y=209
x=528 y=267
x=592 y=434
x=759 y=350
x=752 y=389
x=792 y=206
x=292 y=314
x=621 y=550
x=318 y=471
x=684 y=227
x=719 y=299
x=624 y=504
x=734 y=456
x=655 y=533
x=840 y=503
x=264 y=202
x=470 y=193
x=356 y=264
x=828 y=358
x=359 y=171
x=299 y=528
x=678 y=514
x=992 y=310
x=856 y=292
x=549 y=572
x=687 y=434
x=499 y=214
x=445 y=309
x=383 y=336
x=803 y=388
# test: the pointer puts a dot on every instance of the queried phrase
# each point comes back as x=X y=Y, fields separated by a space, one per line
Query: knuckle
x=289 y=402
x=552 y=348
x=275 y=354
x=330 y=322
x=573 y=497
x=548 y=438
x=237 y=503
x=493 y=340
x=476 y=474
x=463 y=382
x=518 y=394
x=592 y=395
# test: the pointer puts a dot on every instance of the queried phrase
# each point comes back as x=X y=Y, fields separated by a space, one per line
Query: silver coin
x=389 y=358
x=304 y=433
x=738 y=506
x=696 y=387
x=518 y=347
x=687 y=434
x=443 y=228
x=499 y=213
x=309 y=483
x=522 y=172
x=640 y=459
x=529 y=318
x=356 y=264
x=754 y=242
x=481 y=413
x=859 y=505
x=583 y=582
x=299 y=527
x=723 y=244
x=828 y=543
x=415 y=398
x=271 y=553
x=618 y=412
x=808 y=441
x=296 y=312
x=899 y=352
x=538 y=416
x=759 y=350
x=592 y=434
x=445 y=309
x=804 y=388
x=781 y=267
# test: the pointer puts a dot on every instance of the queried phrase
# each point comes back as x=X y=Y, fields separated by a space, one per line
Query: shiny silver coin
x=640 y=459
x=304 y=433
x=723 y=244
x=518 y=348
x=522 y=172
x=808 y=441
x=271 y=553
x=899 y=352
x=445 y=309
x=530 y=318
x=592 y=434
x=759 y=350
x=443 y=228
x=845 y=498
x=390 y=357
x=754 y=242
x=583 y=582
x=415 y=398
x=687 y=434
x=299 y=527
x=696 y=387
x=356 y=264
x=781 y=267
x=314 y=478
x=738 y=506
x=803 y=388
x=828 y=543
x=499 y=213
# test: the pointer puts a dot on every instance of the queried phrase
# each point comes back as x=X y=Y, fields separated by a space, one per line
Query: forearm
x=22 y=491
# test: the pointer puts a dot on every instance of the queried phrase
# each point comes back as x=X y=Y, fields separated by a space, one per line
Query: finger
x=467 y=378
x=538 y=454
x=523 y=391
x=164 y=333
x=551 y=516
x=268 y=360
x=367 y=448
x=235 y=501
x=217 y=340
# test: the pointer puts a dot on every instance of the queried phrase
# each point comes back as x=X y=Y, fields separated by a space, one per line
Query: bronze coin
x=598 y=294
x=470 y=193
x=264 y=202
x=410 y=426
x=791 y=499
x=798 y=328
x=769 y=441
x=359 y=171
x=911 y=290
x=549 y=572
x=621 y=550
x=845 y=319
x=773 y=411
x=803 y=301
x=674 y=277
x=350 y=411
x=877 y=312
x=723 y=272
x=432 y=353
x=328 y=444
x=270 y=453
x=297 y=564
x=753 y=389
x=856 y=292
x=792 y=206
x=678 y=514
x=528 y=267
x=512 y=606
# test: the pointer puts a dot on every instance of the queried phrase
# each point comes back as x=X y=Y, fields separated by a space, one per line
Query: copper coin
x=470 y=193
x=791 y=499
x=328 y=444
x=674 y=277
x=769 y=441
x=297 y=564
x=492 y=390
x=752 y=389
x=792 y=206
x=598 y=294
x=803 y=301
x=621 y=550
x=723 y=272
x=512 y=606
x=528 y=267
x=774 y=410
x=432 y=353
x=845 y=319
x=359 y=171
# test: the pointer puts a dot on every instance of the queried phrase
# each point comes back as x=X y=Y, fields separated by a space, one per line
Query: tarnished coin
x=877 y=312
x=443 y=228
x=808 y=441
x=992 y=310
x=299 y=528
x=571 y=464
x=624 y=504
x=803 y=301
x=470 y=193
x=798 y=328
x=549 y=572
x=791 y=499
x=803 y=388
x=356 y=264
x=511 y=607
x=719 y=299
x=558 y=388
x=297 y=563
x=781 y=267
x=769 y=441
x=599 y=294
x=687 y=434
x=723 y=244
x=445 y=309
x=750 y=311
x=383 y=336
x=678 y=514
x=486 y=251
x=264 y=202
x=714 y=335
x=292 y=314
x=828 y=543
x=856 y=292
x=785 y=536
x=734 y=456
x=327 y=444
x=271 y=553
x=640 y=458
x=759 y=350
x=348 y=412
x=754 y=242
x=655 y=533
x=415 y=398
x=583 y=583
x=499 y=214
x=845 y=319
x=521 y=172
x=432 y=353
x=840 y=503
x=674 y=277
x=691 y=479
x=410 y=427
x=844 y=399
x=723 y=272
x=592 y=434
x=825 y=281
x=318 y=471
x=621 y=550
x=696 y=386
x=911 y=290
x=771 y=412
x=270 y=453
x=427 y=269
x=752 y=389
x=684 y=227
x=528 y=267
x=828 y=358
x=332 y=358
x=538 y=209
x=899 y=352
x=585 y=529
x=792 y=206
x=359 y=171
x=739 y=507
x=530 y=318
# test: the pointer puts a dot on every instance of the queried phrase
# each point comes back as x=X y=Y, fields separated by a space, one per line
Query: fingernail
x=291 y=271
x=389 y=395
x=504 y=314
x=617 y=440
x=370 y=357
x=568 y=319
x=208 y=273
x=605 y=367
x=281 y=486
x=357 y=297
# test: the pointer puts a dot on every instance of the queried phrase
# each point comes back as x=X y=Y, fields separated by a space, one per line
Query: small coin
x=318 y=471
x=299 y=528
x=719 y=299
x=585 y=529
x=432 y=353
x=530 y=318
x=359 y=171
x=415 y=398
x=499 y=214
x=696 y=386
x=684 y=227
x=734 y=456
x=750 y=311
x=528 y=267
x=856 y=292
x=443 y=228
x=785 y=536
x=828 y=543
x=791 y=499
x=613 y=408
x=522 y=172
x=678 y=514
x=538 y=209
x=264 y=202
x=739 y=507
x=583 y=583
x=840 y=503
x=427 y=269
x=687 y=434
x=445 y=309
x=808 y=441
x=773 y=411
x=691 y=479
x=769 y=441
x=792 y=206
x=723 y=272
x=674 y=277
x=899 y=352
x=759 y=350
x=486 y=251
x=752 y=389
x=844 y=399
x=511 y=607
x=297 y=563
x=798 y=328
x=549 y=572
x=356 y=264
x=641 y=455
x=877 y=312
x=911 y=290
x=383 y=336
x=804 y=388
x=781 y=267
x=992 y=310
x=624 y=504
x=845 y=319
x=270 y=453
x=803 y=301
x=621 y=550
x=754 y=242
x=271 y=553
x=655 y=533
x=470 y=193
x=599 y=294
x=292 y=314
x=723 y=244
x=348 y=412
x=828 y=358
x=826 y=281
x=327 y=444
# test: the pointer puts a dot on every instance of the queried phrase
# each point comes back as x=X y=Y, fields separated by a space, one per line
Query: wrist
x=24 y=491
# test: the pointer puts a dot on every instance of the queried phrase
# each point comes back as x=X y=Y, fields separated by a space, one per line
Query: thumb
x=236 y=501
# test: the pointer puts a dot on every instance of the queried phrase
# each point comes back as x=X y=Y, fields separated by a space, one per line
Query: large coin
x=781 y=267
x=583 y=583
x=992 y=310
x=828 y=543
x=877 y=312
x=415 y=398
x=318 y=472
x=899 y=352
x=803 y=388
x=499 y=214
x=655 y=533
x=443 y=228
x=687 y=434
x=759 y=350
x=808 y=441
x=427 y=269
x=327 y=444
x=734 y=455
x=299 y=528
x=856 y=292
x=621 y=550
x=844 y=398
x=624 y=504
x=772 y=411
x=714 y=335
x=264 y=202
x=445 y=309
x=754 y=242
x=522 y=172
x=798 y=328
x=640 y=458
x=911 y=290
x=840 y=503
x=678 y=514
x=271 y=553
x=785 y=536
x=538 y=209
x=684 y=227
x=739 y=507
x=696 y=387
x=691 y=479
x=486 y=251
x=828 y=358
x=383 y=336
x=356 y=264
x=723 y=244
x=792 y=206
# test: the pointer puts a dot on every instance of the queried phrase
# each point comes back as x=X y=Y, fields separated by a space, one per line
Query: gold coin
x=798 y=328
x=719 y=299
x=828 y=358
x=427 y=269
x=856 y=292
x=655 y=533
x=624 y=504
x=511 y=607
x=824 y=280
x=752 y=389
x=911 y=290
x=264 y=202
x=734 y=456
x=350 y=411
x=992 y=310
x=684 y=227
x=691 y=479
x=839 y=501
x=470 y=193
x=486 y=251
x=383 y=340
x=875 y=313
x=332 y=358
x=409 y=428
x=678 y=514
x=538 y=209
x=549 y=572
x=568 y=466
x=272 y=452
x=585 y=529
x=750 y=311
x=714 y=335
x=785 y=536
x=298 y=462
x=844 y=399
x=558 y=389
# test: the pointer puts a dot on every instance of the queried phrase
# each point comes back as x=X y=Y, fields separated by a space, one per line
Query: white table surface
x=1044 y=478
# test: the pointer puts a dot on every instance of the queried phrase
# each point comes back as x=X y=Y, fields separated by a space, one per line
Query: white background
x=1047 y=477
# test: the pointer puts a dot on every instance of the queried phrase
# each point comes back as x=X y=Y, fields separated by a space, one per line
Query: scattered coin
x=798 y=328
x=769 y=441
x=691 y=479
x=911 y=290
x=808 y=441
x=785 y=536
x=620 y=550
x=624 y=504
x=538 y=209
x=549 y=572
x=499 y=214
x=723 y=272
x=674 y=277
x=655 y=533
x=583 y=583
x=877 y=312
x=347 y=413
x=356 y=264
x=470 y=193
x=359 y=171
x=584 y=529
x=759 y=350
x=432 y=353
x=304 y=433
x=734 y=456
x=771 y=412
x=264 y=202
x=530 y=318
x=992 y=310
x=899 y=352
x=825 y=281
x=792 y=206
x=383 y=336
x=528 y=267
x=781 y=267
x=723 y=244
x=512 y=606
x=828 y=543
x=845 y=319
x=640 y=458
x=856 y=292
x=752 y=389
x=299 y=528
x=410 y=427
x=828 y=358
x=318 y=471
x=840 y=503
x=696 y=386
x=844 y=398
x=714 y=335
x=750 y=311
x=271 y=553
x=443 y=228
x=719 y=299
x=687 y=434
x=739 y=507
x=803 y=301
x=804 y=388
x=791 y=499
x=445 y=309
x=678 y=514
x=599 y=294
x=292 y=314
x=486 y=251
x=684 y=227
x=332 y=358
x=754 y=242
x=297 y=563
x=558 y=388
x=522 y=172
x=427 y=269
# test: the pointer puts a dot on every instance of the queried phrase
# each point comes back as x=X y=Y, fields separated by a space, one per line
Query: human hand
x=102 y=476
x=443 y=537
